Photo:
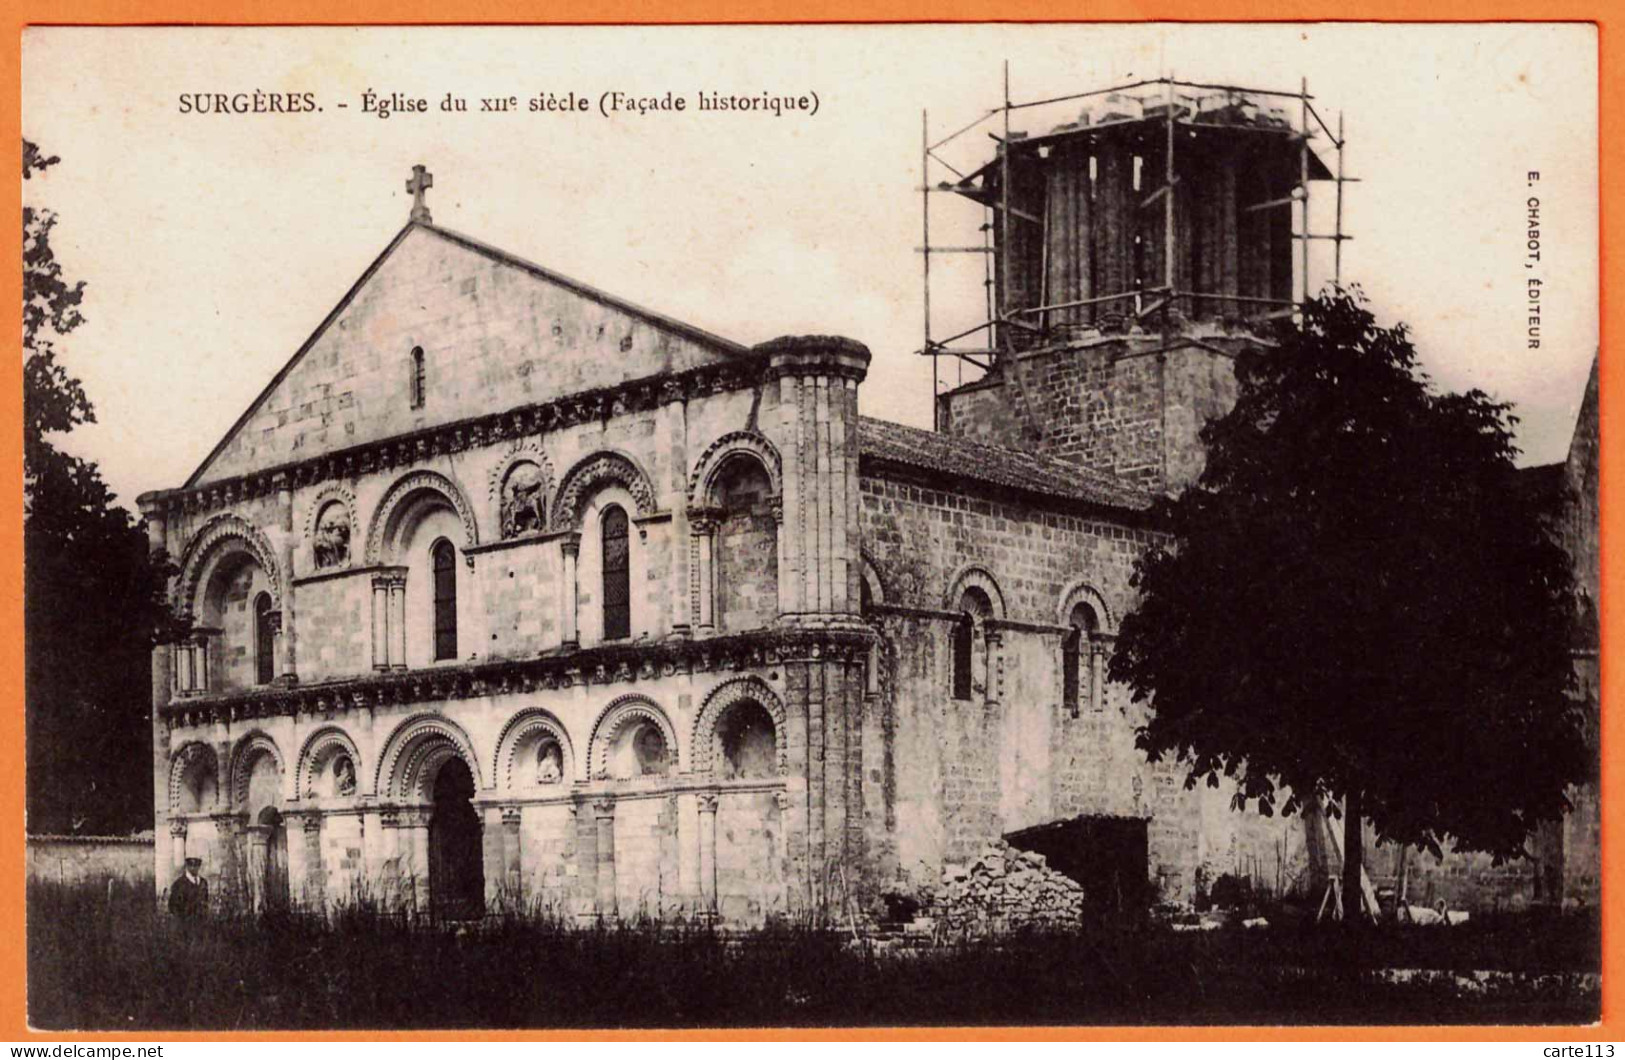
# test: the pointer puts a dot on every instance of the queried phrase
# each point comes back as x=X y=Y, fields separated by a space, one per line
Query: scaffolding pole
x=1303 y=182
x=1004 y=219
x=1337 y=243
x=925 y=250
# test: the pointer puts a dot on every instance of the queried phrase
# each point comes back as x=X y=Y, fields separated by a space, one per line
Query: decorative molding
x=411 y=740
x=719 y=702
x=516 y=733
x=522 y=451
x=404 y=488
x=1080 y=591
x=593 y=472
x=741 y=371
x=974 y=575
x=725 y=448
x=314 y=755
x=605 y=664
x=335 y=493
x=248 y=748
x=190 y=754
x=219 y=534
x=621 y=712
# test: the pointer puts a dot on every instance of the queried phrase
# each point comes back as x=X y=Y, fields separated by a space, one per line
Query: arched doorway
x=456 y=857
x=273 y=868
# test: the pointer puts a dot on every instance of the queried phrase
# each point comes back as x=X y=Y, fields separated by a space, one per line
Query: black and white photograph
x=700 y=527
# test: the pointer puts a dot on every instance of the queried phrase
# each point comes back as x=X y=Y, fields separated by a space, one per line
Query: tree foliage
x=92 y=598
x=1354 y=600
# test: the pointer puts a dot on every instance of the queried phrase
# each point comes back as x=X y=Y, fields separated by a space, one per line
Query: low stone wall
x=96 y=859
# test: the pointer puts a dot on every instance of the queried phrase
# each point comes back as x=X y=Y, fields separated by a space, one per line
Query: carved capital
x=603 y=806
x=781 y=799
x=708 y=801
x=570 y=544
x=704 y=520
x=177 y=829
x=510 y=816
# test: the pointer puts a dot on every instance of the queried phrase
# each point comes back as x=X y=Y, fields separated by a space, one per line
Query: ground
x=100 y=959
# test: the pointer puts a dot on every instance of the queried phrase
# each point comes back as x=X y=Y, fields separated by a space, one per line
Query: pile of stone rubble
x=1004 y=889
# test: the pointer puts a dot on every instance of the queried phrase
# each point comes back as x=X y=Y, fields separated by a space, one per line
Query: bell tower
x=1133 y=249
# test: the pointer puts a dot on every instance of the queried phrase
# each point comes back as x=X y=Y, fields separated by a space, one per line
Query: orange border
x=13 y=1024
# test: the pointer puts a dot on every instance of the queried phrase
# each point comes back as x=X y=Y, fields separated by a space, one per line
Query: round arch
x=721 y=700
x=334 y=494
x=872 y=580
x=320 y=748
x=221 y=537
x=590 y=473
x=243 y=755
x=736 y=445
x=526 y=730
x=974 y=576
x=621 y=713
x=1078 y=591
x=519 y=511
x=417 y=747
x=386 y=520
x=186 y=761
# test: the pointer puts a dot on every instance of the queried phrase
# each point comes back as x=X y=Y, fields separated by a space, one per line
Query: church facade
x=507 y=593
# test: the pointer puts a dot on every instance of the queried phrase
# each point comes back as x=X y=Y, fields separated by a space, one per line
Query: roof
x=699 y=335
x=1012 y=468
x=1541 y=485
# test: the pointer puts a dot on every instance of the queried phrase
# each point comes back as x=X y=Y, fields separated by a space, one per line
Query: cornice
x=406 y=450
x=603 y=665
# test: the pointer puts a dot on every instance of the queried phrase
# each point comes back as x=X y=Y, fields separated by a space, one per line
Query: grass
x=113 y=961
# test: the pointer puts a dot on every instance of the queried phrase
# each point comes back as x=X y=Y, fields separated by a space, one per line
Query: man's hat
x=193 y=861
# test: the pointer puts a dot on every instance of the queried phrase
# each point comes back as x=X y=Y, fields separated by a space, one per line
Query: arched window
x=264 y=640
x=964 y=633
x=617 y=576
x=445 y=600
x=1077 y=658
x=419 y=390
x=974 y=606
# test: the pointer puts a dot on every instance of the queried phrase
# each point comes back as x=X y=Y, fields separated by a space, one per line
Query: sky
x=213 y=244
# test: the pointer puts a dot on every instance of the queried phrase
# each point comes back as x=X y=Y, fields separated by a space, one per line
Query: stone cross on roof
x=420 y=181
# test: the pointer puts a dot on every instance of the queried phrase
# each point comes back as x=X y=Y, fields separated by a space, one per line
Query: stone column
x=414 y=832
x=397 y=621
x=708 y=851
x=703 y=524
x=674 y=421
x=818 y=386
x=380 y=621
x=287 y=652
x=603 y=810
x=570 y=548
x=1097 y=674
x=389 y=848
x=228 y=891
x=315 y=873
x=584 y=861
x=258 y=834
x=512 y=862
x=177 y=845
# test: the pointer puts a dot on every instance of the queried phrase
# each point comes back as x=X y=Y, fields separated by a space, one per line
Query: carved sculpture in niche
x=549 y=762
x=649 y=745
x=343 y=776
x=332 y=539
x=524 y=508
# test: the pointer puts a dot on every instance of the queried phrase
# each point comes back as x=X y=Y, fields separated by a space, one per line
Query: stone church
x=508 y=593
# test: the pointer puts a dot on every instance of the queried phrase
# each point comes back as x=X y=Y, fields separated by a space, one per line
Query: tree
x=1352 y=603
x=92 y=598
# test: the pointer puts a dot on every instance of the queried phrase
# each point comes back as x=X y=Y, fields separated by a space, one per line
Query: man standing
x=189 y=894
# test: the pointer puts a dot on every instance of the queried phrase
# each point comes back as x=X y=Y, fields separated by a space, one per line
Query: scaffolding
x=1004 y=323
